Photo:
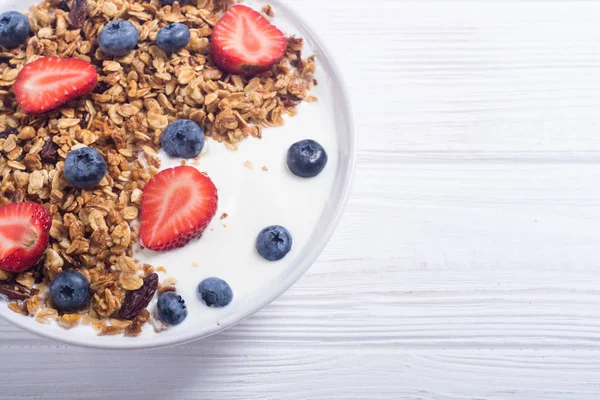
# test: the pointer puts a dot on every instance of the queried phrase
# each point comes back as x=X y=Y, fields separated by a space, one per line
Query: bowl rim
x=333 y=219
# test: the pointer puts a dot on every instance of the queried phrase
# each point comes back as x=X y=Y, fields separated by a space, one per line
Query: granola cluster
x=138 y=95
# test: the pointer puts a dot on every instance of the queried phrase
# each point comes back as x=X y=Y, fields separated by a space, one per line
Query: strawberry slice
x=24 y=235
x=49 y=82
x=243 y=42
x=177 y=205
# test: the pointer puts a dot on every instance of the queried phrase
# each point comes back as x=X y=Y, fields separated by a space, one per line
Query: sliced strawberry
x=49 y=82
x=177 y=205
x=24 y=235
x=243 y=42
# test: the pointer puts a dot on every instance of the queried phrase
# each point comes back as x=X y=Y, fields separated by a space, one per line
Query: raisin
x=38 y=270
x=289 y=100
x=79 y=13
x=63 y=5
x=7 y=132
x=85 y=118
x=15 y=291
x=295 y=42
x=101 y=87
x=75 y=263
x=137 y=300
x=49 y=152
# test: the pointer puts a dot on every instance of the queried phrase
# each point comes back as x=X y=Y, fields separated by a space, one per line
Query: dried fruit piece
x=49 y=152
x=38 y=270
x=63 y=5
x=15 y=291
x=290 y=100
x=101 y=87
x=79 y=13
x=75 y=263
x=137 y=300
x=7 y=132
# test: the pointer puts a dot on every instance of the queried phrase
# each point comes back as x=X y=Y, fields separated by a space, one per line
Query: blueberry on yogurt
x=274 y=242
x=171 y=308
x=182 y=138
x=306 y=158
x=215 y=292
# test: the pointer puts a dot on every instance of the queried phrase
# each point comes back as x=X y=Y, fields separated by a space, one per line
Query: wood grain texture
x=467 y=265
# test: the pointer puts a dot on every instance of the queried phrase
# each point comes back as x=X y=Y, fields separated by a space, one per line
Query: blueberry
x=84 y=168
x=182 y=138
x=63 y=5
x=173 y=37
x=118 y=38
x=14 y=29
x=274 y=242
x=171 y=2
x=215 y=292
x=306 y=158
x=70 y=291
x=171 y=308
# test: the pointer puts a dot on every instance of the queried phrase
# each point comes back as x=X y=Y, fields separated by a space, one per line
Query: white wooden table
x=467 y=265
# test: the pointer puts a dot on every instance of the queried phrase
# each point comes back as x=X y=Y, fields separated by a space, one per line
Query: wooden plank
x=210 y=371
x=468 y=76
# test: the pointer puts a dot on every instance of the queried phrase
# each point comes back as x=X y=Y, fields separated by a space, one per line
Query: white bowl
x=334 y=106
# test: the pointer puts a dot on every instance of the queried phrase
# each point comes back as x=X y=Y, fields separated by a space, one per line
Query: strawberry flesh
x=244 y=42
x=24 y=235
x=48 y=82
x=177 y=205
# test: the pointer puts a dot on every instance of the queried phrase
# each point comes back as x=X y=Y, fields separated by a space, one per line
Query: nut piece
x=49 y=151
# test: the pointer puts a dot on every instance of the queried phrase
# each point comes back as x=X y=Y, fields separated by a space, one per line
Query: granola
x=138 y=95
